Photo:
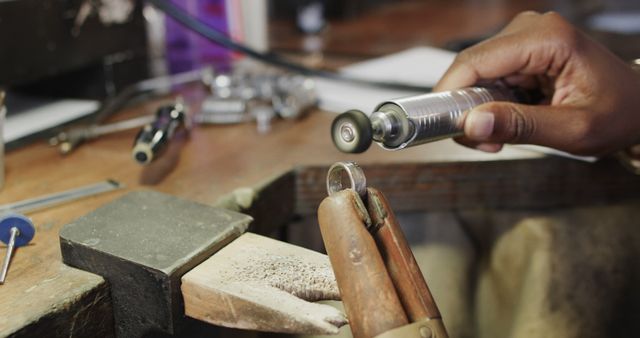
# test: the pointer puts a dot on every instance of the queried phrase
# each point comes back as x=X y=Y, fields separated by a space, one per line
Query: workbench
x=274 y=177
x=284 y=170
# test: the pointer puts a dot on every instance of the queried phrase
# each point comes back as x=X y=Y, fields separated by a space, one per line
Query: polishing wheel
x=351 y=132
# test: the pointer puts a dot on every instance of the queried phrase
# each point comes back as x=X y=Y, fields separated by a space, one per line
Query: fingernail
x=479 y=125
x=489 y=147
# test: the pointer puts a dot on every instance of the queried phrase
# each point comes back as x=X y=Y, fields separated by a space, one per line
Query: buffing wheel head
x=351 y=132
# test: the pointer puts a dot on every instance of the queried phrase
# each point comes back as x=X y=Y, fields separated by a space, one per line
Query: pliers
x=382 y=288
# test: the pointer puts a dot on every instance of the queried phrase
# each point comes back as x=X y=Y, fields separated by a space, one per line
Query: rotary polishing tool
x=405 y=122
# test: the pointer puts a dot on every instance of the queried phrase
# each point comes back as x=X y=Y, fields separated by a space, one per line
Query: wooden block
x=254 y=283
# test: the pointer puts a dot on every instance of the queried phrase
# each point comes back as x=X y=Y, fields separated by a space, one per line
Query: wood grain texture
x=433 y=23
x=257 y=283
x=215 y=161
x=409 y=281
x=90 y=314
x=515 y=184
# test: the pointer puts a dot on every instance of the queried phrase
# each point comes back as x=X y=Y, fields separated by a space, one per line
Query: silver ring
x=356 y=178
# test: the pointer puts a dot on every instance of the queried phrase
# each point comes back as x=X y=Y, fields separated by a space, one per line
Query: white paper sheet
x=420 y=66
x=43 y=116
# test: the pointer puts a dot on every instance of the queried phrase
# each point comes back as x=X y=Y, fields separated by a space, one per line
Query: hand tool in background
x=67 y=138
x=67 y=141
x=15 y=231
x=166 y=258
x=46 y=201
x=238 y=96
x=380 y=282
x=414 y=120
x=154 y=137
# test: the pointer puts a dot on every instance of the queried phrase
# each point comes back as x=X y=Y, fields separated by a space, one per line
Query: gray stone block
x=142 y=244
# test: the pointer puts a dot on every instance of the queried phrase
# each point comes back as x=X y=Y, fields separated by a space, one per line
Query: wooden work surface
x=212 y=162
x=215 y=161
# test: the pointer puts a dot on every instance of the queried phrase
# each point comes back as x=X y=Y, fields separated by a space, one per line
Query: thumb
x=505 y=122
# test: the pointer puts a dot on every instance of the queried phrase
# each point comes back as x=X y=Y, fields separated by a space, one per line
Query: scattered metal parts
x=263 y=114
x=154 y=137
x=42 y=202
x=15 y=230
x=242 y=95
x=294 y=95
x=234 y=97
x=223 y=111
x=357 y=180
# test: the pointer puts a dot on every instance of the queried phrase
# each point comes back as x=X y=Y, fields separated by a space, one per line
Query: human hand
x=593 y=97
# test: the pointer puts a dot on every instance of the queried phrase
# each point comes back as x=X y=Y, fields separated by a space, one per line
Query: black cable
x=162 y=83
x=221 y=39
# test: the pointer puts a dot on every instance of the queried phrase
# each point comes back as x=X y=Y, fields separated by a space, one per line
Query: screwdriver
x=153 y=138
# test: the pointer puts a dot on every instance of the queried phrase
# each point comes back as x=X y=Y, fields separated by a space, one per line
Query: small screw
x=347 y=133
x=16 y=231
x=425 y=332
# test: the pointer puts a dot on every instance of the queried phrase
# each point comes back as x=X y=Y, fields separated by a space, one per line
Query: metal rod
x=119 y=126
x=7 y=257
x=37 y=203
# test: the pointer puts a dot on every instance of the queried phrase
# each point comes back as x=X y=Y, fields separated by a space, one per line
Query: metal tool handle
x=404 y=122
x=414 y=120
x=154 y=138
x=14 y=232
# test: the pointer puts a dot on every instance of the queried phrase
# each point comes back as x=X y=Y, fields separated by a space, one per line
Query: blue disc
x=24 y=225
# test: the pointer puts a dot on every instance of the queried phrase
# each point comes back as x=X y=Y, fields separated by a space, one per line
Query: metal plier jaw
x=380 y=282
